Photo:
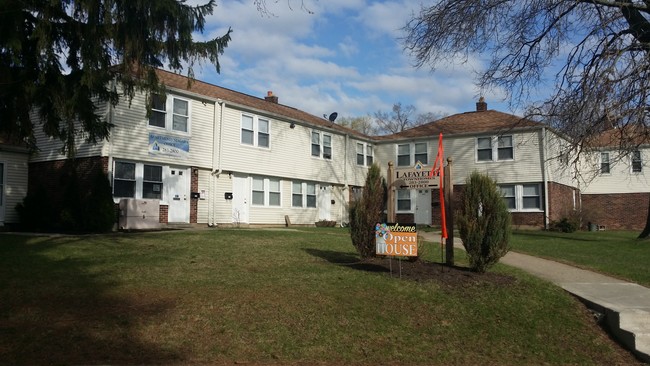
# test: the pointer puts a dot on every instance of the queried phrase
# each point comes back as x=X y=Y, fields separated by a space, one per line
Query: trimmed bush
x=483 y=222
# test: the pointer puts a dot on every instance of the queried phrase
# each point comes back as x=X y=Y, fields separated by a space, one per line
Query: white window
x=495 y=148
x=124 y=180
x=360 y=154
x=152 y=182
x=266 y=192
x=364 y=154
x=410 y=154
x=178 y=117
x=522 y=197
x=255 y=131
x=604 y=163
x=637 y=162
x=404 y=200
x=321 y=145
x=404 y=155
x=509 y=196
x=421 y=153
x=303 y=194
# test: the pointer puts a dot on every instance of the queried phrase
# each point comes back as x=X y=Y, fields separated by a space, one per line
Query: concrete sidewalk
x=625 y=306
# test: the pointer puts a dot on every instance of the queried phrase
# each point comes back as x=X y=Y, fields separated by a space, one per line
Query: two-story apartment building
x=214 y=156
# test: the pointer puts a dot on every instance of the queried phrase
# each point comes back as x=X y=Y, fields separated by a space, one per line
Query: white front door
x=2 y=194
x=324 y=203
x=423 y=207
x=178 y=194
x=240 y=193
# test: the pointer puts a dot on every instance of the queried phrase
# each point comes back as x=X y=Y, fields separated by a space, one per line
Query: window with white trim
x=522 y=197
x=421 y=154
x=303 y=194
x=409 y=154
x=403 y=200
x=495 y=148
x=364 y=154
x=255 y=131
x=604 y=163
x=124 y=179
x=266 y=192
x=170 y=113
x=152 y=182
x=321 y=145
x=637 y=162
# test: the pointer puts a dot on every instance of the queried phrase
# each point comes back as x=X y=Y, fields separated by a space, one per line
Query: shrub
x=99 y=209
x=368 y=211
x=565 y=225
x=484 y=222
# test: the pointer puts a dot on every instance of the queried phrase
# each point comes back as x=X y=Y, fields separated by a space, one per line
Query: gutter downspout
x=216 y=171
x=111 y=117
x=345 y=180
x=545 y=177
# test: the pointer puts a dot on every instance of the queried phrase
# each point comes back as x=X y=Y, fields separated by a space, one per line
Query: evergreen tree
x=367 y=212
x=59 y=59
x=483 y=222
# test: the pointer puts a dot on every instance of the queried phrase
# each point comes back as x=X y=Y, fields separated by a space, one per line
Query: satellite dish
x=333 y=116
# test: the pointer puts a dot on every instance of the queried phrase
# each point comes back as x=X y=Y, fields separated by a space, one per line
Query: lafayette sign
x=417 y=177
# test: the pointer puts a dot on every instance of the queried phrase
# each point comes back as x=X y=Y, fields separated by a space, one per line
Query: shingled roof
x=482 y=121
x=624 y=137
x=216 y=92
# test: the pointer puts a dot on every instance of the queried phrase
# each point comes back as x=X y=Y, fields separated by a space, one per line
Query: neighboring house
x=615 y=184
x=13 y=179
x=214 y=156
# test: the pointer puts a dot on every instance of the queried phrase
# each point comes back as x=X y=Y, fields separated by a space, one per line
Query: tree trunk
x=645 y=234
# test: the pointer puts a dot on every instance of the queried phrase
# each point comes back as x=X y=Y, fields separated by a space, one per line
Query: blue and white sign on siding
x=177 y=147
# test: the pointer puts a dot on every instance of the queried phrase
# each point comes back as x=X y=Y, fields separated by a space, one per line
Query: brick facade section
x=624 y=211
x=52 y=175
x=561 y=200
x=164 y=214
x=194 y=202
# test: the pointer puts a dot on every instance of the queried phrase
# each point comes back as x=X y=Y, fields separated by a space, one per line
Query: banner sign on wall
x=177 y=147
x=396 y=240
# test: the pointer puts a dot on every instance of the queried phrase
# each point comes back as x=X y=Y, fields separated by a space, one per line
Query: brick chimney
x=481 y=106
x=270 y=97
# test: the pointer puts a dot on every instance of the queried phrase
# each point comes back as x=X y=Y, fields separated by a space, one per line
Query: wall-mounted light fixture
x=292 y=125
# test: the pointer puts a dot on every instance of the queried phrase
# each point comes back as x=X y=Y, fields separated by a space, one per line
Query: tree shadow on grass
x=346 y=259
x=60 y=310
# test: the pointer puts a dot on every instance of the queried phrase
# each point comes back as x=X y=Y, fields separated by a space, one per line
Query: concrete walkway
x=625 y=306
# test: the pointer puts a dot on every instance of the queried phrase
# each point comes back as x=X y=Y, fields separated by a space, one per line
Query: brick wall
x=561 y=201
x=194 y=202
x=627 y=211
x=164 y=214
x=52 y=175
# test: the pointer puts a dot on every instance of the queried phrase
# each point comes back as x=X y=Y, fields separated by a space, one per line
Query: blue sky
x=345 y=57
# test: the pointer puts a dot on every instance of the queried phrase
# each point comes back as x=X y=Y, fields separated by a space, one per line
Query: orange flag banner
x=439 y=170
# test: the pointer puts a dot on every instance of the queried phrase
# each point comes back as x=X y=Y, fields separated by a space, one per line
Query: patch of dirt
x=445 y=276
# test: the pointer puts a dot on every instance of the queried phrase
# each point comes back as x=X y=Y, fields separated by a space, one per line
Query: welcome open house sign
x=396 y=240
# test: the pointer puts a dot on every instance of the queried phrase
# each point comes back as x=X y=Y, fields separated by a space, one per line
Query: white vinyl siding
x=13 y=182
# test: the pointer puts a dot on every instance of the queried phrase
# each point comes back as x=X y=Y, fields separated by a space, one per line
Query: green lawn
x=617 y=253
x=269 y=296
